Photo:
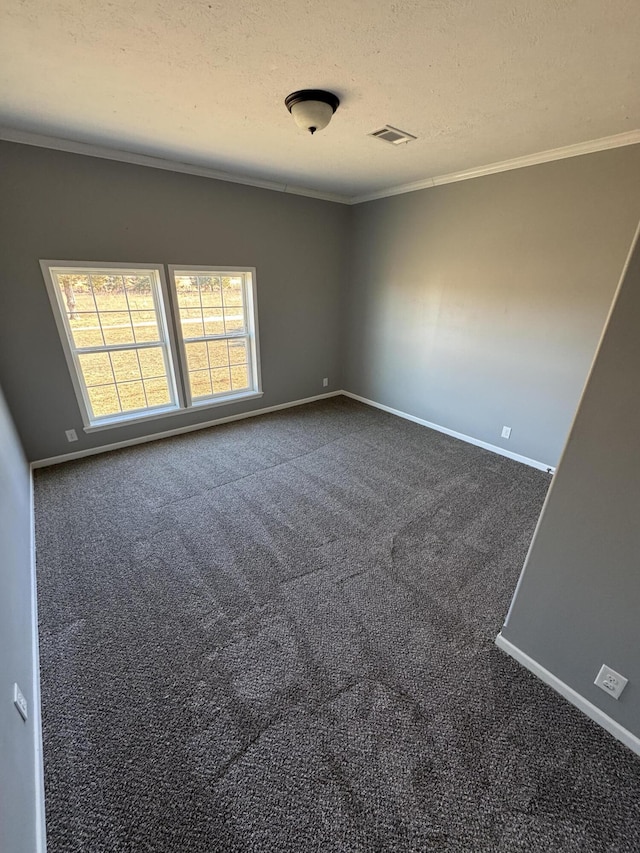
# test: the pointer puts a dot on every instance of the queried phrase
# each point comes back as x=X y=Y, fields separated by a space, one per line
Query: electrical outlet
x=611 y=681
x=325 y=382
x=71 y=434
x=506 y=432
x=20 y=702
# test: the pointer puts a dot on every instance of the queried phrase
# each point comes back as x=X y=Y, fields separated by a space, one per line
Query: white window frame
x=172 y=342
x=167 y=340
x=251 y=334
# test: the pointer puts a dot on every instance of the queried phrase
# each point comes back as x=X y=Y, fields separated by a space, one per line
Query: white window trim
x=156 y=415
x=165 y=327
x=169 y=319
x=251 y=313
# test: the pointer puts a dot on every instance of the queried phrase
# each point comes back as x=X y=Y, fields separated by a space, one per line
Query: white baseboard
x=592 y=711
x=533 y=463
x=36 y=712
x=105 y=448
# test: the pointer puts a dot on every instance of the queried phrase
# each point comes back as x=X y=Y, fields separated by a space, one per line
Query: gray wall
x=18 y=790
x=578 y=603
x=470 y=305
x=72 y=207
x=479 y=304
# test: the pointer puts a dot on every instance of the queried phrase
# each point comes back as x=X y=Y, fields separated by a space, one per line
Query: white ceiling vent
x=392 y=135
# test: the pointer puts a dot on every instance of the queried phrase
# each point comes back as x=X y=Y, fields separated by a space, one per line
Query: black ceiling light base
x=312 y=95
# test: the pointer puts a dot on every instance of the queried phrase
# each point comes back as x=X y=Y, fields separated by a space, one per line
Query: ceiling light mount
x=312 y=108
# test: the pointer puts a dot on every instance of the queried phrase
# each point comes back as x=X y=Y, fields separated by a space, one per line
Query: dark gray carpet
x=277 y=636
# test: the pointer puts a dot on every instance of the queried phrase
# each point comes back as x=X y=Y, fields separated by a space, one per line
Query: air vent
x=392 y=135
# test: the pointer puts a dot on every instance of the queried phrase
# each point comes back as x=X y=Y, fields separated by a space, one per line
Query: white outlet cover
x=506 y=432
x=20 y=702
x=611 y=681
x=71 y=434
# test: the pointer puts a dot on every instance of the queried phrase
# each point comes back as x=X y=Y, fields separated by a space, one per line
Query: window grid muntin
x=247 y=333
x=163 y=341
x=228 y=365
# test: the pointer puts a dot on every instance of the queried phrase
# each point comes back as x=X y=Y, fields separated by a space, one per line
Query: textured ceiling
x=203 y=81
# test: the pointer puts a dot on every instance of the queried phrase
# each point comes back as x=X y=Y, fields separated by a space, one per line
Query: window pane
x=238 y=352
x=76 y=293
x=232 y=290
x=85 y=330
x=200 y=382
x=213 y=322
x=191 y=320
x=218 y=353
x=233 y=304
x=157 y=392
x=240 y=377
x=132 y=396
x=125 y=365
x=96 y=368
x=104 y=400
x=108 y=291
x=234 y=323
x=139 y=292
x=145 y=326
x=152 y=362
x=116 y=328
x=197 y=356
x=221 y=380
x=210 y=290
x=187 y=291
x=234 y=318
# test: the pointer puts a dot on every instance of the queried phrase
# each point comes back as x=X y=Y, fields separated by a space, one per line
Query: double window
x=137 y=348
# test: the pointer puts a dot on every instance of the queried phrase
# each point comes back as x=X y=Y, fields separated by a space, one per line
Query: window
x=217 y=332
x=116 y=327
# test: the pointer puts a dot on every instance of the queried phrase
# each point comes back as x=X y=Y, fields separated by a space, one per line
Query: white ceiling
x=203 y=81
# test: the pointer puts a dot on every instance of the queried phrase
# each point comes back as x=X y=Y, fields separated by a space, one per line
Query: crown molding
x=71 y=146
x=9 y=134
x=631 y=137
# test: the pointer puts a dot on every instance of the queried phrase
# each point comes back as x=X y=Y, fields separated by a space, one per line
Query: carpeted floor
x=276 y=636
